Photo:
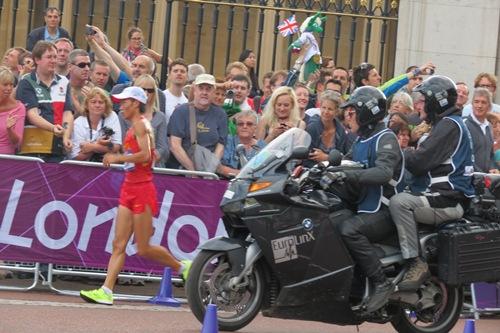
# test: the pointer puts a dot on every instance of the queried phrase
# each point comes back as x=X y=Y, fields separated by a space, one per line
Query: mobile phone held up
x=89 y=31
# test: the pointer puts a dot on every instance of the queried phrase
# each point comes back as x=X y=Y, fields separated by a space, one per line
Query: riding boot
x=417 y=273
x=382 y=289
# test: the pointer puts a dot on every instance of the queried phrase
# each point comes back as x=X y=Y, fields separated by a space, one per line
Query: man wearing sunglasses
x=79 y=74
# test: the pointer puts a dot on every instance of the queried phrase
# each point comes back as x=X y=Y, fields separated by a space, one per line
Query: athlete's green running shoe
x=187 y=266
x=98 y=296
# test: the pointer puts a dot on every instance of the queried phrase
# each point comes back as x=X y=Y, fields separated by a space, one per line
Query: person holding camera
x=98 y=130
x=236 y=99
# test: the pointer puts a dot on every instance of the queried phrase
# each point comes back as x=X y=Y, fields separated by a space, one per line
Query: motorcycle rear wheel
x=439 y=319
x=208 y=284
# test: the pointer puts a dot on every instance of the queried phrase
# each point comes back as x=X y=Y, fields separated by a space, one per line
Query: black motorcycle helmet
x=440 y=95
x=370 y=105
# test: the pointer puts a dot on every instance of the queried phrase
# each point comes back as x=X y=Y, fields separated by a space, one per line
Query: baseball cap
x=136 y=93
x=205 y=79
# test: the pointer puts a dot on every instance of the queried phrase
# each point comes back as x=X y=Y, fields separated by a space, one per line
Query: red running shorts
x=137 y=196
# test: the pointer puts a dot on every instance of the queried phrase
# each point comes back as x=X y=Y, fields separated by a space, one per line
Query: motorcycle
x=284 y=257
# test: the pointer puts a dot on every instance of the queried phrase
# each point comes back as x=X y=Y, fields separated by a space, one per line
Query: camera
x=106 y=132
x=143 y=47
x=229 y=99
x=89 y=31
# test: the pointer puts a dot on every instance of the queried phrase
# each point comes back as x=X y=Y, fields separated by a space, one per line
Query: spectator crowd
x=55 y=104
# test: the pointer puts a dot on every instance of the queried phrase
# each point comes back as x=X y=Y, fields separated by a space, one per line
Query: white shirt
x=171 y=102
x=483 y=125
x=81 y=131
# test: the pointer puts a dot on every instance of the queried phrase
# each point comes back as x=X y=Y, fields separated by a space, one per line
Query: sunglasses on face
x=245 y=123
x=83 y=64
x=149 y=90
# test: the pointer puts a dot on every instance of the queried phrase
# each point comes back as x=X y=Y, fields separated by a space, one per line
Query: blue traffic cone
x=470 y=326
x=210 y=324
x=164 y=297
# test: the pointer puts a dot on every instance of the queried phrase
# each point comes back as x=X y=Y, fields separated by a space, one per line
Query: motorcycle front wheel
x=440 y=318
x=208 y=283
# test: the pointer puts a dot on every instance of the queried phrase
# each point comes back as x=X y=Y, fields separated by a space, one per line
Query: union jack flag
x=289 y=26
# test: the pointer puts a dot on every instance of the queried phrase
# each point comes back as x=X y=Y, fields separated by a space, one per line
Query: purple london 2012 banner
x=65 y=214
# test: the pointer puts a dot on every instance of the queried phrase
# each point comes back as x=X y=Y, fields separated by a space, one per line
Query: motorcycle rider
x=446 y=158
x=371 y=187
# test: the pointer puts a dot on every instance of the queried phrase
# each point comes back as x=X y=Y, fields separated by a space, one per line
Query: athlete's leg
x=143 y=226
x=123 y=231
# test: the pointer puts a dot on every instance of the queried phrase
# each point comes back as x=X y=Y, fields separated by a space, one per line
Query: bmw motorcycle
x=284 y=257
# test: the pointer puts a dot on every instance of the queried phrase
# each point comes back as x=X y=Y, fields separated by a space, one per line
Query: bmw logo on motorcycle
x=307 y=224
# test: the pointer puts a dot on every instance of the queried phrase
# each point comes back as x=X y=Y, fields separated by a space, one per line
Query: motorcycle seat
x=429 y=229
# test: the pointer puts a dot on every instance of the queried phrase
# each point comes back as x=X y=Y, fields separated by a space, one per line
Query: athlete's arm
x=144 y=153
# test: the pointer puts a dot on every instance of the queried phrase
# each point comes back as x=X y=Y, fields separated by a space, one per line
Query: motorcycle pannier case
x=469 y=253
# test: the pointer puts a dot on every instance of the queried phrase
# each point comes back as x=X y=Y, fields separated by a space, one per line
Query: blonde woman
x=280 y=114
x=12 y=114
x=98 y=130
x=157 y=119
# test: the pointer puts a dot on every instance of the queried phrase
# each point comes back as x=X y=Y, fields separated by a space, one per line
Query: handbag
x=203 y=159
x=36 y=141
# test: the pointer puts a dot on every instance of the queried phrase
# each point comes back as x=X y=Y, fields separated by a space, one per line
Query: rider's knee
x=399 y=201
x=347 y=228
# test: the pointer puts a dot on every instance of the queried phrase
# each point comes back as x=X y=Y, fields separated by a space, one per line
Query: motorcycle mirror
x=335 y=157
x=300 y=153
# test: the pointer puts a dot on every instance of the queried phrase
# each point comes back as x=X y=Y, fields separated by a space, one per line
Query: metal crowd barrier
x=20 y=266
x=54 y=269
x=163 y=171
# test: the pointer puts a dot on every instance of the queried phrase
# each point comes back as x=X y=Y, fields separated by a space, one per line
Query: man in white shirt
x=480 y=130
x=177 y=77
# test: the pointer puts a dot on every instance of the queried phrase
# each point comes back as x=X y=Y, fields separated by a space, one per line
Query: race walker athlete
x=138 y=201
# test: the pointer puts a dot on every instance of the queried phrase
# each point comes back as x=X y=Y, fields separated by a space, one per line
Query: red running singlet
x=137 y=172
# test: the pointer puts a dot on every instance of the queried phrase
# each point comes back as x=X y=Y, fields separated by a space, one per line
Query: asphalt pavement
x=42 y=310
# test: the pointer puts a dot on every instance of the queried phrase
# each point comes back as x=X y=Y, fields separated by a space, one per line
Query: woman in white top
x=98 y=130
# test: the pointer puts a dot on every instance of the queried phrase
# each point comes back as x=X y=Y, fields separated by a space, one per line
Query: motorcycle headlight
x=257 y=186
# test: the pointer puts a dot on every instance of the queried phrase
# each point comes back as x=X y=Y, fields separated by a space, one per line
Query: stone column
x=461 y=37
